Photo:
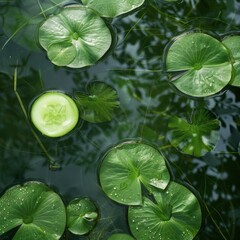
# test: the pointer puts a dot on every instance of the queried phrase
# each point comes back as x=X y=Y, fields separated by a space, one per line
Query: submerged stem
x=52 y=163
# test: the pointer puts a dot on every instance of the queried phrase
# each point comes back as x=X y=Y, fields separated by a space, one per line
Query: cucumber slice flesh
x=54 y=114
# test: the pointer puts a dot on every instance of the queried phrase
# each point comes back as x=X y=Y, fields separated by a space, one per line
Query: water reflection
x=134 y=69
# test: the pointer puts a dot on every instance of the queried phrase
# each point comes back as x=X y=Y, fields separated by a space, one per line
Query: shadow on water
x=134 y=69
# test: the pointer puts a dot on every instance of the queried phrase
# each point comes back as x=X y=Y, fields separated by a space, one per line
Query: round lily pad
x=197 y=136
x=129 y=164
x=99 y=104
x=76 y=37
x=34 y=208
x=120 y=236
x=112 y=8
x=175 y=214
x=54 y=114
x=233 y=44
x=82 y=216
x=198 y=64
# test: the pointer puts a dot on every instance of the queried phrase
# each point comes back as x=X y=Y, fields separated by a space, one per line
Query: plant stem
x=52 y=163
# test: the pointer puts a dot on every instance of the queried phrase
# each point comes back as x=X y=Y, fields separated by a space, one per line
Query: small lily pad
x=34 y=208
x=85 y=34
x=112 y=8
x=129 y=164
x=82 y=216
x=198 y=64
x=176 y=214
x=99 y=104
x=120 y=236
x=197 y=136
x=233 y=44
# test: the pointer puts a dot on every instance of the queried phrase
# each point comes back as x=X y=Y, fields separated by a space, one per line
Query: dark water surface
x=134 y=69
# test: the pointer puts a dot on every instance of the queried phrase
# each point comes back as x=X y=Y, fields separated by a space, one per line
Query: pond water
x=134 y=67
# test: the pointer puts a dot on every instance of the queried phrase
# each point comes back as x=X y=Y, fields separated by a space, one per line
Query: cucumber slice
x=54 y=114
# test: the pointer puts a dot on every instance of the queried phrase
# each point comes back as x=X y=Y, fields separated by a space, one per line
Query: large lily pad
x=81 y=216
x=120 y=236
x=233 y=44
x=99 y=104
x=37 y=211
x=175 y=215
x=129 y=164
x=76 y=37
x=199 y=65
x=112 y=8
x=197 y=136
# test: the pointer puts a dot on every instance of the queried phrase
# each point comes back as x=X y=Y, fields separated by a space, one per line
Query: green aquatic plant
x=232 y=42
x=128 y=165
x=175 y=214
x=82 y=216
x=112 y=8
x=120 y=236
x=198 y=64
x=195 y=136
x=35 y=209
x=54 y=114
x=76 y=37
x=98 y=104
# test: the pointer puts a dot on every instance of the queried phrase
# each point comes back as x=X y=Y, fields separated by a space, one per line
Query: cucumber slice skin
x=54 y=114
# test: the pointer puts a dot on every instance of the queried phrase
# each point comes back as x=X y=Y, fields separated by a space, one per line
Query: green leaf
x=81 y=216
x=112 y=8
x=199 y=65
x=197 y=136
x=35 y=209
x=79 y=27
x=99 y=104
x=129 y=164
x=54 y=114
x=175 y=215
x=120 y=236
x=233 y=44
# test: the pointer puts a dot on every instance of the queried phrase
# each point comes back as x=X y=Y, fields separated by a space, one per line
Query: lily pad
x=176 y=214
x=112 y=8
x=85 y=34
x=129 y=164
x=82 y=216
x=120 y=236
x=34 y=208
x=99 y=104
x=233 y=44
x=197 y=136
x=198 y=64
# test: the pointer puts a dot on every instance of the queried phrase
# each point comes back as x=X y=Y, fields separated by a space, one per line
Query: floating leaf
x=175 y=215
x=196 y=137
x=99 y=104
x=54 y=114
x=112 y=8
x=129 y=164
x=81 y=216
x=79 y=27
x=35 y=209
x=199 y=65
x=120 y=236
x=233 y=44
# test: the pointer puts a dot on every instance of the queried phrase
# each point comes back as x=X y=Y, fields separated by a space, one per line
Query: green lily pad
x=112 y=8
x=81 y=31
x=197 y=136
x=175 y=215
x=34 y=208
x=198 y=64
x=82 y=216
x=120 y=236
x=129 y=164
x=233 y=44
x=99 y=104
